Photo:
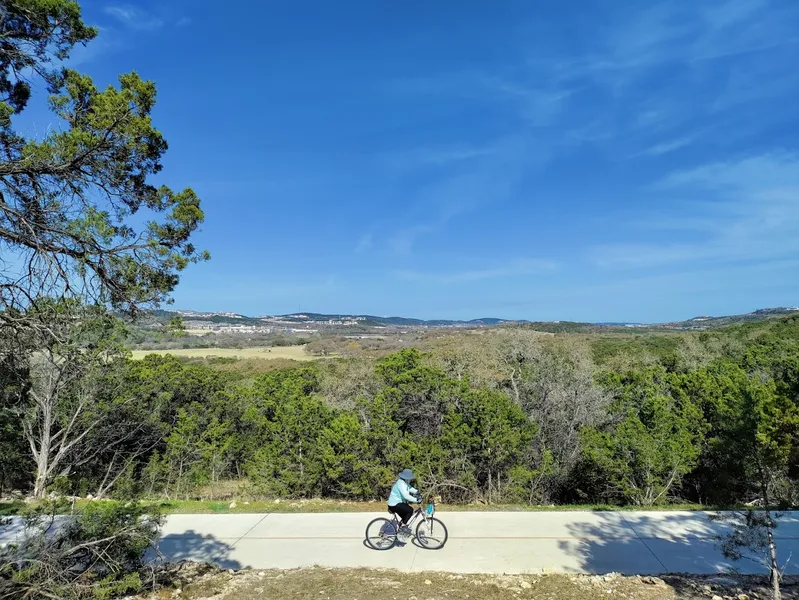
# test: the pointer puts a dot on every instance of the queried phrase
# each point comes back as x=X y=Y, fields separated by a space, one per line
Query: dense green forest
x=511 y=416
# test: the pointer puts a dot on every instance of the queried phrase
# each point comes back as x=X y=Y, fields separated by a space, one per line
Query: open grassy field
x=262 y=352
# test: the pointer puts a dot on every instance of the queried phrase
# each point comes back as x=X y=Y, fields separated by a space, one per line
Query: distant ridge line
x=333 y=319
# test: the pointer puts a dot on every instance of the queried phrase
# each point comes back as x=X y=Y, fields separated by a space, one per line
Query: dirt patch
x=354 y=584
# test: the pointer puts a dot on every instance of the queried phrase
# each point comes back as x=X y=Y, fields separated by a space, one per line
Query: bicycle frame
x=383 y=533
x=415 y=515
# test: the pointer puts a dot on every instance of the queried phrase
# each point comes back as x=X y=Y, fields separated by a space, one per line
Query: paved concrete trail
x=480 y=542
x=484 y=542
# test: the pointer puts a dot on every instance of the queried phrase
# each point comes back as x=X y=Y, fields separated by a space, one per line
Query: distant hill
x=708 y=322
x=320 y=319
x=372 y=321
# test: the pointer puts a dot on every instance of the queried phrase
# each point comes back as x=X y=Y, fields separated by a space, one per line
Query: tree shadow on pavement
x=194 y=546
x=682 y=548
x=10 y=529
x=649 y=543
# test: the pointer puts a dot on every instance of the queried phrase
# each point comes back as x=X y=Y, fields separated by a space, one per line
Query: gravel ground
x=201 y=582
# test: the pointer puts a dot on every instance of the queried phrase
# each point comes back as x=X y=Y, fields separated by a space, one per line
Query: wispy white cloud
x=134 y=18
x=538 y=105
x=719 y=16
x=681 y=55
x=651 y=295
x=645 y=84
x=460 y=189
x=668 y=146
x=438 y=155
x=749 y=212
x=669 y=48
x=365 y=243
x=746 y=176
x=521 y=97
x=101 y=46
x=668 y=33
x=183 y=22
x=515 y=268
x=313 y=292
x=402 y=242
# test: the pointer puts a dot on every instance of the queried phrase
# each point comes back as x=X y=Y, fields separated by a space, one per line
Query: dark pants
x=403 y=510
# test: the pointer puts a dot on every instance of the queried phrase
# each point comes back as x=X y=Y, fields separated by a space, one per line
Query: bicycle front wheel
x=431 y=534
x=381 y=534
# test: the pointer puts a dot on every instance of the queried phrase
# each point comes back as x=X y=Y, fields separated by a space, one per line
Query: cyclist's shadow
x=397 y=544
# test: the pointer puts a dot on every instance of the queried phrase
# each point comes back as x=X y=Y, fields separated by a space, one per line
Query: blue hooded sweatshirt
x=402 y=492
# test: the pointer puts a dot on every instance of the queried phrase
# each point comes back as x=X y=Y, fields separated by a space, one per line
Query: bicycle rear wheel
x=381 y=534
x=431 y=534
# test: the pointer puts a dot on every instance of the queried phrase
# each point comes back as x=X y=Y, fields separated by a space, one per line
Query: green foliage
x=35 y=30
x=286 y=422
x=97 y=554
x=489 y=434
x=67 y=205
x=395 y=369
x=391 y=447
x=753 y=413
x=15 y=463
x=719 y=390
x=66 y=406
x=561 y=327
x=524 y=485
x=67 y=198
x=653 y=444
x=659 y=346
x=544 y=430
x=197 y=451
x=347 y=460
x=421 y=393
x=748 y=537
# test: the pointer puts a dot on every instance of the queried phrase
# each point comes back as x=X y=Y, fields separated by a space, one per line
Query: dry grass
x=233 y=504
x=355 y=584
x=229 y=490
x=259 y=352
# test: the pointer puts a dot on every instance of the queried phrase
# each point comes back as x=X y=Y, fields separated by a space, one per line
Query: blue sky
x=540 y=160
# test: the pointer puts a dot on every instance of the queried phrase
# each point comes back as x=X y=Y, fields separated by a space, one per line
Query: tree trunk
x=499 y=486
x=102 y=489
x=515 y=386
x=302 y=466
x=774 y=566
x=40 y=487
x=42 y=453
